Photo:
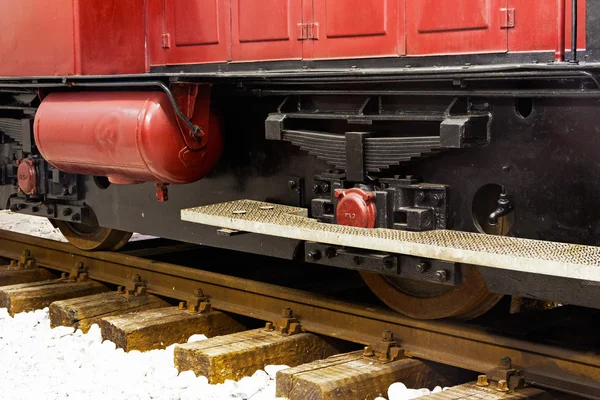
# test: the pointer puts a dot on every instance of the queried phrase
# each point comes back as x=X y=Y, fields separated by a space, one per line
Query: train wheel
x=423 y=300
x=91 y=238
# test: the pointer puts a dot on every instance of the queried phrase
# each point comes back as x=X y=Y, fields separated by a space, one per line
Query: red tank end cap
x=356 y=207
x=27 y=176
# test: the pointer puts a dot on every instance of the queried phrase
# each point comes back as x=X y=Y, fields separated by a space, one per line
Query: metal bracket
x=77 y=274
x=508 y=377
x=507 y=18
x=308 y=31
x=386 y=349
x=396 y=265
x=287 y=325
x=135 y=288
x=198 y=303
x=25 y=261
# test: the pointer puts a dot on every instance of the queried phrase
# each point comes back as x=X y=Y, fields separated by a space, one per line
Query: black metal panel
x=592 y=30
x=542 y=287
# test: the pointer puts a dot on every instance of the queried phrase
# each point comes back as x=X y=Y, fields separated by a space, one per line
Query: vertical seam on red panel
x=76 y=39
x=506 y=5
x=230 y=55
x=146 y=38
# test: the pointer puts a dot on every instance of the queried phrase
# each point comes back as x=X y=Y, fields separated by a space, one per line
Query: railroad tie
x=241 y=354
x=159 y=328
x=83 y=312
x=36 y=295
x=470 y=391
x=12 y=275
x=352 y=376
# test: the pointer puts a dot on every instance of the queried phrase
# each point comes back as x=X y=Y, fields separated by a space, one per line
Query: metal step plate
x=525 y=255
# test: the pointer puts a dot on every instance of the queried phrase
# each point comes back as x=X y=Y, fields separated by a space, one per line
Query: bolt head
x=314 y=255
x=506 y=363
x=441 y=276
x=198 y=293
x=287 y=312
x=421 y=267
x=387 y=335
x=330 y=252
x=292 y=184
x=316 y=189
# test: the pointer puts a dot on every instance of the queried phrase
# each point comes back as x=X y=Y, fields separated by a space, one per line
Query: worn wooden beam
x=36 y=295
x=352 y=376
x=470 y=391
x=11 y=275
x=241 y=354
x=83 y=312
x=156 y=329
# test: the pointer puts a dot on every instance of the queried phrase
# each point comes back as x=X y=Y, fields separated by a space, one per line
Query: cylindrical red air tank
x=129 y=137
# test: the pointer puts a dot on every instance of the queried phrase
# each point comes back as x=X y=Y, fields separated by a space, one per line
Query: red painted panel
x=541 y=35
x=189 y=31
x=266 y=29
x=111 y=36
x=358 y=28
x=72 y=37
x=36 y=39
x=457 y=26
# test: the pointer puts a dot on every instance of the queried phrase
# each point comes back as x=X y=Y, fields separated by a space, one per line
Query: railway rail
x=500 y=356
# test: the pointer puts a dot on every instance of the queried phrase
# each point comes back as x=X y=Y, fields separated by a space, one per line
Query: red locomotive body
x=91 y=37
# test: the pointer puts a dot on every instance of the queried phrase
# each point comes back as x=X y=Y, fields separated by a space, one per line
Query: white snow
x=40 y=226
x=43 y=363
x=196 y=338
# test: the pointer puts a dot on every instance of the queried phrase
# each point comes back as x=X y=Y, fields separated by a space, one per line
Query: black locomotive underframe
x=538 y=142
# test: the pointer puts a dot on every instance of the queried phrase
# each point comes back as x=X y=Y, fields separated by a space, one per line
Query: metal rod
x=559 y=54
x=574 y=33
x=549 y=93
x=196 y=130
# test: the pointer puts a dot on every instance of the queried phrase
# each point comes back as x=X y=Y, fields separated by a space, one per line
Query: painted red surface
x=355 y=207
x=189 y=31
x=265 y=29
x=67 y=37
x=358 y=28
x=129 y=136
x=532 y=22
x=454 y=27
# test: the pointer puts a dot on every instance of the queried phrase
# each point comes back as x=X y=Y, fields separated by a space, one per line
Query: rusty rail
x=447 y=342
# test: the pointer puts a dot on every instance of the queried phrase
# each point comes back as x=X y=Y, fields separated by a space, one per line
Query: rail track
x=502 y=349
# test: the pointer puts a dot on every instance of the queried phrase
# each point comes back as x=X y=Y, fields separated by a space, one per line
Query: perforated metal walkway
x=526 y=255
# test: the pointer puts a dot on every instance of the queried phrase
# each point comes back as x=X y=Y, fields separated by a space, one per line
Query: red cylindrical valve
x=27 y=176
x=356 y=207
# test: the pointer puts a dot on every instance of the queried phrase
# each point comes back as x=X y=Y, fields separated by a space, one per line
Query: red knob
x=356 y=207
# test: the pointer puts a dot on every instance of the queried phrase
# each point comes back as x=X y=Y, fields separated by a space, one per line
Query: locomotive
x=446 y=150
